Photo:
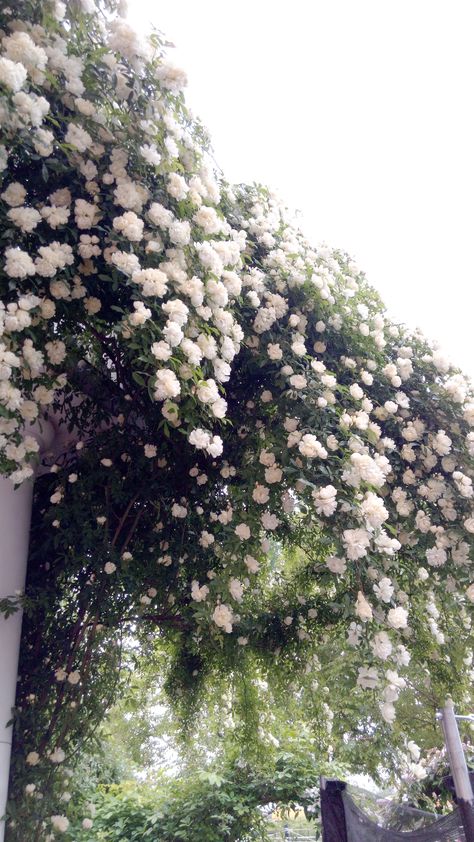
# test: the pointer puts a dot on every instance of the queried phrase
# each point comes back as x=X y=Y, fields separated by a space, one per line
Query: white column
x=15 y=516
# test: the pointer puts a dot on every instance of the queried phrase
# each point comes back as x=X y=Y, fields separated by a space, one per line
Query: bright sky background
x=359 y=112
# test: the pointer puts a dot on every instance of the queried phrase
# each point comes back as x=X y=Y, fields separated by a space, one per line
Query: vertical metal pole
x=459 y=770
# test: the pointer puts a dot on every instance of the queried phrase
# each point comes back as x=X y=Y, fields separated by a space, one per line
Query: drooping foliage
x=232 y=395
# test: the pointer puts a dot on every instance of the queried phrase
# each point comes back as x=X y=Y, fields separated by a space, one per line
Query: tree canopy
x=263 y=470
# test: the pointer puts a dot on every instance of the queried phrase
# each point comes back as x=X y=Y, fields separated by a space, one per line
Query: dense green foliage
x=218 y=806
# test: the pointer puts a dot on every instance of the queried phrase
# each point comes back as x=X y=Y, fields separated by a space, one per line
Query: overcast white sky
x=359 y=112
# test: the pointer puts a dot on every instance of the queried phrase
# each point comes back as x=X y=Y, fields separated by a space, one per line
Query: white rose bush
x=230 y=392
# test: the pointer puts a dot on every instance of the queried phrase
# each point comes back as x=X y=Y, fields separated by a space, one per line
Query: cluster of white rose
x=185 y=268
x=120 y=233
x=180 y=266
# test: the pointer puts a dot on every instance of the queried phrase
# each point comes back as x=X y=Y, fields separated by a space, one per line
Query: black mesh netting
x=395 y=822
x=353 y=815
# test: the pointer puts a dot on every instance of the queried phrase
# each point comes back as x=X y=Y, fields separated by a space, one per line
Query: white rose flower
x=236 y=589
x=298 y=381
x=336 y=565
x=414 y=750
x=269 y=521
x=180 y=233
x=207 y=391
x=273 y=474
x=357 y=542
x=325 y=500
x=442 y=443
x=363 y=608
x=242 y=531
x=177 y=187
x=252 y=564
x=18 y=263
x=130 y=225
x=60 y=823
x=25 y=218
x=78 y=137
x=373 y=510
x=166 y=385
x=199 y=438
x=199 y=594
x=223 y=617
x=74 y=677
x=436 y=556
x=384 y=590
x=469 y=524
x=356 y=392
x=398 y=617
x=206 y=539
x=381 y=646
x=261 y=494
x=57 y=756
x=310 y=447
x=150 y=153
x=388 y=712
x=219 y=408
x=141 y=314
x=274 y=351
x=12 y=74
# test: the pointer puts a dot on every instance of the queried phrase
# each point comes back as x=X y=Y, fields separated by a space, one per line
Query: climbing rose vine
x=228 y=389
